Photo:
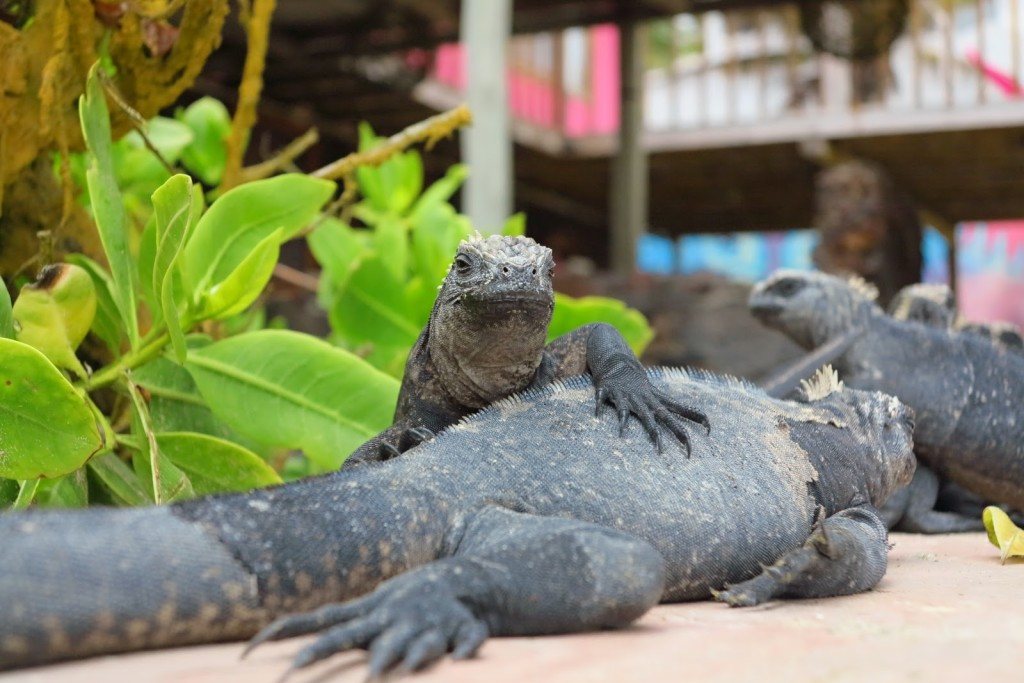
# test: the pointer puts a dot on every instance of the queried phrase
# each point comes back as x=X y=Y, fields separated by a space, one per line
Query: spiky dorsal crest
x=862 y=287
x=822 y=384
x=504 y=248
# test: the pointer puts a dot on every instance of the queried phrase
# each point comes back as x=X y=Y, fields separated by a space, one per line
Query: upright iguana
x=504 y=524
x=485 y=341
x=967 y=393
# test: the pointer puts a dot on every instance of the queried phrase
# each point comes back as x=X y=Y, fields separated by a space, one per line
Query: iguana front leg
x=845 y=554
x=620 y=380
x=921 y=517
x=511 y=574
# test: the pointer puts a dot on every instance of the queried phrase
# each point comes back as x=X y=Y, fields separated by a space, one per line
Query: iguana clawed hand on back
x=486 y=341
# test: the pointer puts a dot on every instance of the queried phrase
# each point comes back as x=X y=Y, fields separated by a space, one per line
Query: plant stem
x=428 y=131
x=26 y=494
x=129 y=361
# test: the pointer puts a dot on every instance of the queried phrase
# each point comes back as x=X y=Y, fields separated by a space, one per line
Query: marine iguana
x=485 y=341
x=968 y=394
x=504 y=524
x=935 y=305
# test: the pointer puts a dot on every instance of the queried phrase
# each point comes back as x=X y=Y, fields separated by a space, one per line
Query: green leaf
x=119 y=479
x=46 y=428
x=106 y=324
x=392 y=186
x=1003 y=533
x=441 y=191
x=294 y=391
x=26 y=494
x=9 y=489
x=106 y=200
x=374 y=308
x=177 y=206
x=391 y=241
x=175 y=404
x=436 y=234
x=6 y=314
x=147 y=261
x=339 y=250
x=54 y=313
x=171 y=204
x=515 y=226
x=571 y=313
x=210 y=124
x=69 y=491
x=214 y=465
x=239 y=289
x=242 y=218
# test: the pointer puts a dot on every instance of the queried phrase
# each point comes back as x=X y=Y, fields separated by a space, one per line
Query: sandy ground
x=946 y=611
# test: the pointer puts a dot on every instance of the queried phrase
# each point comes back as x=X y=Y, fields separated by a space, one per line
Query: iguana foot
x=410 y=621
x=408 y=439
x=626 y=387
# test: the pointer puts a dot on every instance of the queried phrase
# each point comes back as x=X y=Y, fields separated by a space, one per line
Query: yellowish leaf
x=1003 y=533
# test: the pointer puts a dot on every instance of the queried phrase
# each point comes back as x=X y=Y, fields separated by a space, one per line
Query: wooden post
x=628 y=191
x=487 y=144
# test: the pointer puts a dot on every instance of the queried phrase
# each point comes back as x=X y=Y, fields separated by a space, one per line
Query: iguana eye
x=463 y=264
x=787 y=287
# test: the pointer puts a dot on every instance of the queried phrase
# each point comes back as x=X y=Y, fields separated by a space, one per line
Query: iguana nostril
x=534 y=271
x=504 y=269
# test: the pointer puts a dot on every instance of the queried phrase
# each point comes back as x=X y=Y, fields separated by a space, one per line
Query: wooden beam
x=487 y=144
x=628 y=192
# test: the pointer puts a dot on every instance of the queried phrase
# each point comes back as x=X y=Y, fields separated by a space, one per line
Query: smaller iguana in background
x=967 y=393
x=485 y=341
x=935 y=305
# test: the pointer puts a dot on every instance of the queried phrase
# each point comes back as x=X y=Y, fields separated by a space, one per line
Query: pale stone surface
x=946 y=611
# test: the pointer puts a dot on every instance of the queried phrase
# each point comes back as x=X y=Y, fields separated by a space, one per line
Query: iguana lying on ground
x=504 y=524
x=967 y=393
x=485 y=341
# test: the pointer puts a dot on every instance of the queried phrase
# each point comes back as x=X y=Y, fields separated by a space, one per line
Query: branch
x=286 y=156
x=429 y=131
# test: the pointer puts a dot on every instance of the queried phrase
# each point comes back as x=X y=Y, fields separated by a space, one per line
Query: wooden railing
x=748 y=76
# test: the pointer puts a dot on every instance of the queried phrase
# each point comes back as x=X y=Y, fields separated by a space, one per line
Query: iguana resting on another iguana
x=505 y=524
x=967 y=393
x=485 y=341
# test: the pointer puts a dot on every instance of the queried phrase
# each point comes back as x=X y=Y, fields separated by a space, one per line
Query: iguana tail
x=75 y=584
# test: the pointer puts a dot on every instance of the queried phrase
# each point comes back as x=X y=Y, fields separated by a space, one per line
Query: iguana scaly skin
x=485 y=341
x=967 y=393
x=504 y=524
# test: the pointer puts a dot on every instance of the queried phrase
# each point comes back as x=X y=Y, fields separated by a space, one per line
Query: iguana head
x=929 y=304
x=882 y=459
x=490 y=321
x=495 y=275
x=813 y=308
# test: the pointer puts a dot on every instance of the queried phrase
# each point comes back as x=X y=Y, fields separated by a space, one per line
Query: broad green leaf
x=107 y=323
x=174 y=484
x=175 y=404
x=69 y=491
x=392 y=186
x=242 y=218
x=46 y=428
x=374 y=308
x=26 y=494
x=436 y=234
x=572 y=313
x=214 y=465
x=119 y=479
x=339 y=250
x=239 y=289
x=207 y=153
x=441 y=191
x=106 y=200
x=294 y=391
x=169 y=137
x=1003 y=533
x=6 y=314
x=515 y=226
x=391 y=241
x=54 y=313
